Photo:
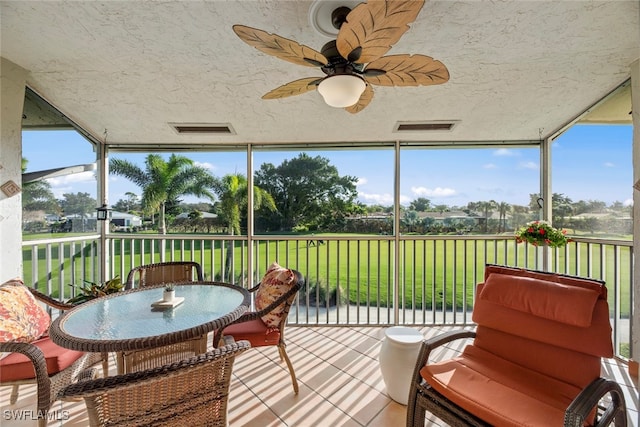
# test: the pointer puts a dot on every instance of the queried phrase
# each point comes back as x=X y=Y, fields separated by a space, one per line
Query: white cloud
x=73 y=178
x=628 y=202
x=205 y=165
x=84 y=182
x=435 y=192
x=489 y=166
x=376 y=199
x=529 y=165
x=404 y=200
x=58 y=192
x=609 y=165
x=504 y=152
x=361 y=181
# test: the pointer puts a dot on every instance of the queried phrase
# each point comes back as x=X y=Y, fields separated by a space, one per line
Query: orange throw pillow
x=276 y=282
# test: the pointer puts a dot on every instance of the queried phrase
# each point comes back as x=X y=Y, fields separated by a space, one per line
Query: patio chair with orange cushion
x=32 y=357
x=534 y=358
x=264 y=326
x=190 y=392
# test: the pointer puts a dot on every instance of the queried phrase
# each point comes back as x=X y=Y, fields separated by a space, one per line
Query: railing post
x=546 y=194
x=103 y=195
x=396 y=234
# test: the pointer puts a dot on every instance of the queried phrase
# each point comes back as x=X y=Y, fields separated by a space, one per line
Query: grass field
x=433 y=272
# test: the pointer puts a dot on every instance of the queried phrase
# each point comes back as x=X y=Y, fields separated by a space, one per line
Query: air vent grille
x=424 y=126
x=214 y=128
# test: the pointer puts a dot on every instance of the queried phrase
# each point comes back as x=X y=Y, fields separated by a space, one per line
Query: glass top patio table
x=126 y=320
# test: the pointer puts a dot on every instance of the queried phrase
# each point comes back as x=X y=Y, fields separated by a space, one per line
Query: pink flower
x=542 y=231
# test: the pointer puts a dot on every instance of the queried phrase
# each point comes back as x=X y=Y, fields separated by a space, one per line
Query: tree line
x=303 y=194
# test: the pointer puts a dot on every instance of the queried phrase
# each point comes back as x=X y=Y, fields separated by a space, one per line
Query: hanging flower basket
x=541 y=233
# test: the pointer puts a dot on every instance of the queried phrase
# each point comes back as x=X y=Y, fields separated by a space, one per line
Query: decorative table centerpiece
x=169 y=293
x=541 y=233
x=169 y=299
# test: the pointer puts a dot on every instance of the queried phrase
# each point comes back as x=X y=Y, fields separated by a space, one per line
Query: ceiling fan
x=354 y=61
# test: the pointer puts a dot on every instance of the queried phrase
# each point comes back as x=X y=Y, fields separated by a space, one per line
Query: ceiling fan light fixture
x=343 y=90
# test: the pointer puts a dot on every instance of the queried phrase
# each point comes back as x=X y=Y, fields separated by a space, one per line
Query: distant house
x=446 y=216
x=121 y=221
x=185 y=215
x=51 y=218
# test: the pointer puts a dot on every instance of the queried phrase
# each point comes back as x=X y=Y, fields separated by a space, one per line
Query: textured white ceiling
x=132 y=67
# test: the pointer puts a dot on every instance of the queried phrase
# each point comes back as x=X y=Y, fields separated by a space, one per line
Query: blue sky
x=590 y=162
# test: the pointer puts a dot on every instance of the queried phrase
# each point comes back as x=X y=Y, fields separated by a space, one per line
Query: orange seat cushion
x=500 y=392
x=255 y=331
x=17 y=366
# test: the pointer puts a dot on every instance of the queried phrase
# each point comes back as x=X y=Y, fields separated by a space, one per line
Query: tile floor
x=339 y=378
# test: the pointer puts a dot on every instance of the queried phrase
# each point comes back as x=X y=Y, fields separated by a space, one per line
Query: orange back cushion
x=553 y=328
x=594 y=284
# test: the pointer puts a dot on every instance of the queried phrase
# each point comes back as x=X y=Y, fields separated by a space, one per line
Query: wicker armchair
x=164 y=272
x=43 y=363
x=156 y=274
x=193 y=391
x=251 y=327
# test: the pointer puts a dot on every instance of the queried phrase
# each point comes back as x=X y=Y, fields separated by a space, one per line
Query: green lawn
x=360 y=270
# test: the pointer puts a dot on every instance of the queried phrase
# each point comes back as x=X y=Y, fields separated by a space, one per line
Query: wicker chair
x=193 y=391
x=534 y=358
x=45 y=364
x=252 y=328
x=164 y=272
x=156 y=274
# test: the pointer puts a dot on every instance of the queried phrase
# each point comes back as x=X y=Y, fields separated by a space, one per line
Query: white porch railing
x=354 y=280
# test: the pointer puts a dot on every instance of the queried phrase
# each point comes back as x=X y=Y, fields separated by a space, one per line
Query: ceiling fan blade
x=364 y=100
x=374 y=27
x=275 y=45
x=407 y=70
x=296 y=87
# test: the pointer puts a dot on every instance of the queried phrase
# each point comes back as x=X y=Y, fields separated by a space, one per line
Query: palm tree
x=503 y=208
x=410 y=219
x=232 y=190
x=486 y=208
x=163 y=181
x=37 y=195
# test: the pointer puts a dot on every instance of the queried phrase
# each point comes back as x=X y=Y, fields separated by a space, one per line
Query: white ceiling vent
x=210 y=128
x=433 y=125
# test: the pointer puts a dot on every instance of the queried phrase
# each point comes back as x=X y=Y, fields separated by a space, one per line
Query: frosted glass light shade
x=342 y=90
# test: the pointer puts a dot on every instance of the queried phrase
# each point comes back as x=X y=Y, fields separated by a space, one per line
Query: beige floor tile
x=360 y=401
x=326 y=379
x=246 y=409
x=392 y=415
x=339 y=377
